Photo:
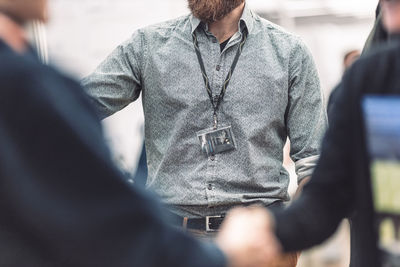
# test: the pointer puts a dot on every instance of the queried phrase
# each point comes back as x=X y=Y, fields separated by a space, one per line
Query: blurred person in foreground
x=379 y=34
x=222 y=90
x=62 y=201
x=377 y=37
x=356 y=175
x=348 y=60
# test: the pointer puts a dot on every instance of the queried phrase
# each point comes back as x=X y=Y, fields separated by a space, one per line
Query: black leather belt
x=208 y=224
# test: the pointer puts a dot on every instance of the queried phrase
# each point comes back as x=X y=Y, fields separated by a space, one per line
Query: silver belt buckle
x=208 y=223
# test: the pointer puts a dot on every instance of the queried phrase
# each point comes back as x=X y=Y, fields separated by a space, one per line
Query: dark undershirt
x=222 y=45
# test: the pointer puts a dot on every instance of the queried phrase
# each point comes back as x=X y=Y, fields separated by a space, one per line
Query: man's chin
x=206 y=20
x=212 y=10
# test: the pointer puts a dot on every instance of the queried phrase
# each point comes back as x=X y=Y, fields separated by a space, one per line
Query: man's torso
x=177 y=106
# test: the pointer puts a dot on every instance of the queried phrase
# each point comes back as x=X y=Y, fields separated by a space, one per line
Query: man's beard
x=212 y=10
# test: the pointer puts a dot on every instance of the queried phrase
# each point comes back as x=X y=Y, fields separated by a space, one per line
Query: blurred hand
x=284 y=260
x=247 y=238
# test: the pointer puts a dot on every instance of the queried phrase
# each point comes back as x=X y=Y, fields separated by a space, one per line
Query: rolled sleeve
x=306 y=119
x=305 y=167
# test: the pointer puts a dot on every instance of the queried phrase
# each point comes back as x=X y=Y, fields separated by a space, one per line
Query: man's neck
x=228 y=26
x=13 y=34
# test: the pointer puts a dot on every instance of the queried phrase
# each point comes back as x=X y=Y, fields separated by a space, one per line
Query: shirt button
x=209 y=187
x=218 y=68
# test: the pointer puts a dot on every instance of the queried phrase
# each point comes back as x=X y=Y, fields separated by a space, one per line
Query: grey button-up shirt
x=274 y=93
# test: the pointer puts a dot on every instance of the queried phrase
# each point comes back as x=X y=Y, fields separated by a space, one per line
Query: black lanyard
x=216 y=102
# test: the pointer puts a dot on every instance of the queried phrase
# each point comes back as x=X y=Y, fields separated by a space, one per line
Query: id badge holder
x=216 y=141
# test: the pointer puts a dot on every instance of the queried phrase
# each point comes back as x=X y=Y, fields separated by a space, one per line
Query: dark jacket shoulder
x=376 y=72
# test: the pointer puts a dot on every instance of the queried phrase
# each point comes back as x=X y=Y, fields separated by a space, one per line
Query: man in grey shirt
x=205 y=157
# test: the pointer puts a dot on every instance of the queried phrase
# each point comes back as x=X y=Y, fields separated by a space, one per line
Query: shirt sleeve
x=329 y=196
x=116 y=82
x=306 y=118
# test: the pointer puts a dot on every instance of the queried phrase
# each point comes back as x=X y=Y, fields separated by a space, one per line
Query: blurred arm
x=62 y=200
x=329 y=195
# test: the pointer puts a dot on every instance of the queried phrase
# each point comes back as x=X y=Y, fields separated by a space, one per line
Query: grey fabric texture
x=274 y=94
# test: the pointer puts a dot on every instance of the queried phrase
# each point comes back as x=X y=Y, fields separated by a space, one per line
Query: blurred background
x=82 y=33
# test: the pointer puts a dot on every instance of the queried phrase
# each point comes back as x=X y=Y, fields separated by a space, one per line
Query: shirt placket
x=218 y=72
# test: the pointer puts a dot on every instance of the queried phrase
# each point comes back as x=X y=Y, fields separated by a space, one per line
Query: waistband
x=203 y=211
x=211 y=223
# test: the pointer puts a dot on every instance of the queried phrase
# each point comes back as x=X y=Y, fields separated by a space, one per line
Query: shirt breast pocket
x=256 y=87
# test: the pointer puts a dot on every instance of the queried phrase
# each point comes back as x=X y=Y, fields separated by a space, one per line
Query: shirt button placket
x=215 y=81
x=209 y=186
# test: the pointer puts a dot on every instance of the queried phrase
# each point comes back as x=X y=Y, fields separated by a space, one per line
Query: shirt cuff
x=305 y=167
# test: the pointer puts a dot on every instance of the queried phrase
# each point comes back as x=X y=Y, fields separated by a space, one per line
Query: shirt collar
x=247 y=20
x=195 y=22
